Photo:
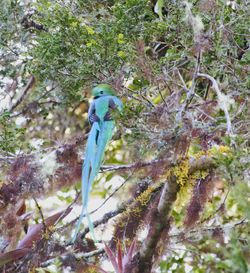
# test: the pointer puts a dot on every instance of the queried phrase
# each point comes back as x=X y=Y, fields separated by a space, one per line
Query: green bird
x=99 y=116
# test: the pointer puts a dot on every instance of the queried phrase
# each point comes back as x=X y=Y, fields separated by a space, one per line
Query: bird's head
x=103 y=90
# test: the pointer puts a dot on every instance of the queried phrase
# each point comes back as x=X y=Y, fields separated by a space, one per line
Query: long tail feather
x=104 y=136
x=78 y=225
x=91 y=226
x=96 y=146
x=90 y=158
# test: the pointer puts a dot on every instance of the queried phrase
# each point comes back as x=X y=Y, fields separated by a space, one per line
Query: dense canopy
x=173 y=191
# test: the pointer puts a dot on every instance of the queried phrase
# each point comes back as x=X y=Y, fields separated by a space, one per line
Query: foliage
x=11 y=136
x=181 y=145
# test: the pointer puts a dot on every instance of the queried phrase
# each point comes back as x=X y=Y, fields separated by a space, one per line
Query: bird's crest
x=103 y=90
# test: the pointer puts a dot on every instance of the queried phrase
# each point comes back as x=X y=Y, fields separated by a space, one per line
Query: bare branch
x=77 y=256
x=139 y=99
x=104 y=202
x=112 y=194
x=221 y=99
x=41 y=213
x=67 y=74
x=208 y=116
x=106 y=217
x=190 y=93
x=27 y=87
x=218 y=209
x=67 y=209
x=128 y=166
x=36 y=103
x=194 y=232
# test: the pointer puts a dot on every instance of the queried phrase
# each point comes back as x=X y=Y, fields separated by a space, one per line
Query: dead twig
x=106 y=217
x=42 y=216
x=27 y=87
x=221 y=100
x=190 y=92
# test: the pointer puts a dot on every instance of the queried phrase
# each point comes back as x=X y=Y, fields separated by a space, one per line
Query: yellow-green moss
x=181 y=171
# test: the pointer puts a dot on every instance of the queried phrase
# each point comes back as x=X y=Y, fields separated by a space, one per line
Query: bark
x=144 y=258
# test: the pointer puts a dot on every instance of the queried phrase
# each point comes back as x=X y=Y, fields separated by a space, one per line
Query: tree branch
x=139 y=99
x=112 y=194
x=162 y=219
x=27 y=87
x=103 y=203
x=190 y=92
x=106 y=217
x=128 y=166
x=41 y=213
x=194 y=232
x=221 y=99
x=34 y=104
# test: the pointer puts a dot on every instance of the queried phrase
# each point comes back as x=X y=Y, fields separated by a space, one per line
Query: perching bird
x=100 y=118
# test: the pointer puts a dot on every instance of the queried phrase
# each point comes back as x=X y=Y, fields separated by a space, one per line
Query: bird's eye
x=101 y=92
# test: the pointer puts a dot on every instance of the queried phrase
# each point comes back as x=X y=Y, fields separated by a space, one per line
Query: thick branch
x=161 y=224
x=162 y=218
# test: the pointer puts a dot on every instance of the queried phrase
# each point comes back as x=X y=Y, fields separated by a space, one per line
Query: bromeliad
x=101 y=132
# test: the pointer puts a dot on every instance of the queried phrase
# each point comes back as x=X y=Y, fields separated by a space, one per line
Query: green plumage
x=100 y=134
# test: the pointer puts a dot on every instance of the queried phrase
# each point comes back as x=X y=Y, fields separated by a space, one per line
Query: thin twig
x=67 y=74
x=144 y=100
x=190 y=93
x=36 y=103
x=41 y=213
x=163 y=100
x=128 y=166
x=27 y=87
x=112 y=194
x=78 y=256
x=218 y=209
x=201 y=230
x=105 y=201
x=221 y=99
x=106 y=217
x=134 y=97
x=198 y=109
x=151 y=103
x=67 y=209
x=196 y=70
x=46 y=93
x=181 y=78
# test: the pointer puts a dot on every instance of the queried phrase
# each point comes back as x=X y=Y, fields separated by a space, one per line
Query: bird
x=100 y=118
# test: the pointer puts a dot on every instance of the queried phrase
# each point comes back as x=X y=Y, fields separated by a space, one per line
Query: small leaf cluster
x=11 y=137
